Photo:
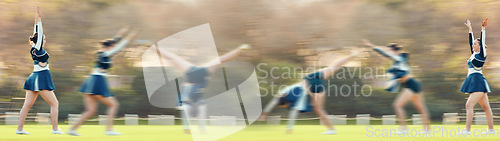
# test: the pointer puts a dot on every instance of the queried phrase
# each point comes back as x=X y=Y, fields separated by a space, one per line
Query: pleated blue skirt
x=38 y=81
x=96 y=85
x=475 y=82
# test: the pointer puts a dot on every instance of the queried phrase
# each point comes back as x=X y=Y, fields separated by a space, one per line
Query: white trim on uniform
x=487 y=85
x=36 y=84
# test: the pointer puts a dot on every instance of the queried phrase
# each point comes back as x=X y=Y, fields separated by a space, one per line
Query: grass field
x=251 y=133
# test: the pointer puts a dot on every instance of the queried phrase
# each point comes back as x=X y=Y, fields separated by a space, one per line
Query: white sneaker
x=22 y=132
x=489 y=131
x=112 y=133
x=464 y=132
x=330 y=132
x=73 y=133
x=58 y=131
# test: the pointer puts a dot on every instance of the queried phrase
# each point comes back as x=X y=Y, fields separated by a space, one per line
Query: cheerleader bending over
x=310 y=90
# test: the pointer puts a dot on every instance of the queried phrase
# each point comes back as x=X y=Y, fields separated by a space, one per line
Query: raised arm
x=121 y=33
x=471 y=35
x=381 y=50
x=122 y=44
x=483 y=38
x=38 y=29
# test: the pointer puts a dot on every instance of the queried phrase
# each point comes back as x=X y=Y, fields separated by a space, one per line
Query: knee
x=469 y=106
x=115 y=105
x=28 y=105
x=55 y=104
x=486 y=108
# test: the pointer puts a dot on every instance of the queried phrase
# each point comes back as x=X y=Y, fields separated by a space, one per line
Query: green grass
x=252 y=133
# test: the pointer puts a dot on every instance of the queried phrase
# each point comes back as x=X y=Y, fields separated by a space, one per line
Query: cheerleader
x=96 y=88
x=40 y=81
x=411 y=87
x=191 y=101
x=297 y=100
x=307 y=95
x=475 y=84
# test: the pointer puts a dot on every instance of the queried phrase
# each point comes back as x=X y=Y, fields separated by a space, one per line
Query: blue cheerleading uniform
x=475 y=81
x=399 y=69
x=191 y=92
x=297 y=98
x=97 y=83
x=315 y=81
x=40 y=79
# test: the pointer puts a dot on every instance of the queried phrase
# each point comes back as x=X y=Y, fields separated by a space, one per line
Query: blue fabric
x=395 y=84
x=413 y=84
x=103 y=62
x=197 y=75
x=191 y=93
x=96 y=85
x=475 y=82
x=39 y=55
x=477 y=61
x=315 y=81
x=42 y=78
x=397 y=73
x=292 y=98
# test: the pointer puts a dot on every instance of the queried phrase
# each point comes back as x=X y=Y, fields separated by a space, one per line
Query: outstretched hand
x=485 y=22
x=468 y=24
x=133 y=33
x=38 y=14
x=244 y=46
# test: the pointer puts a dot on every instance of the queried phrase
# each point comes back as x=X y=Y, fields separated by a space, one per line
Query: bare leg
x=485 y=104
x=224 y=58
x=185 y=123
x=202 y=116
x=399 y=104
x=176 y=61
x=318 y=101
x=90 y=110
x=28 y=103
x=327 y=72
x=419 y=103
x=51 y=99
x=469 y=107
x=113 y=106
x=293 y=113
